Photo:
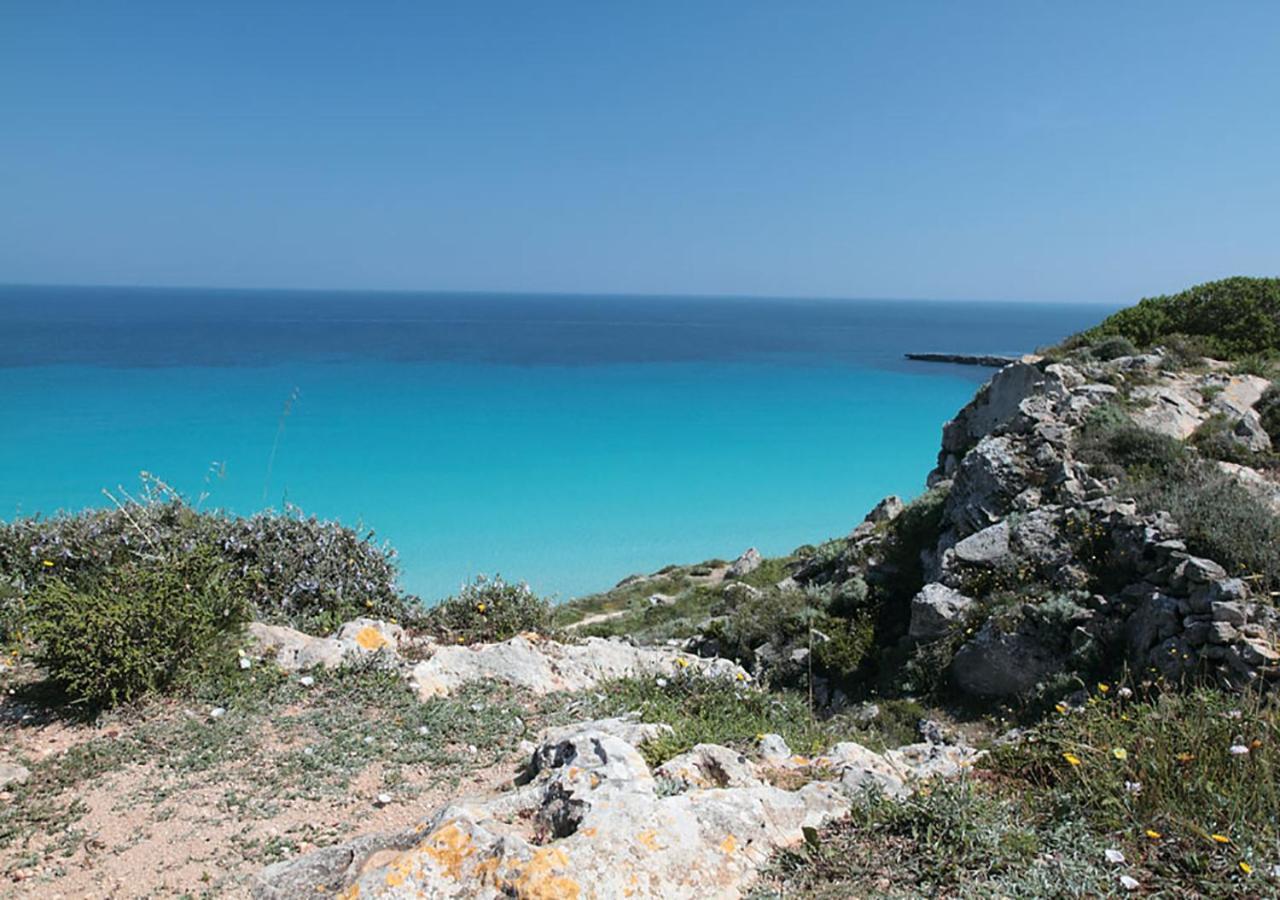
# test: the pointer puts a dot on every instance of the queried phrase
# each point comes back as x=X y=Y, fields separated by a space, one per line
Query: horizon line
x=832 y=298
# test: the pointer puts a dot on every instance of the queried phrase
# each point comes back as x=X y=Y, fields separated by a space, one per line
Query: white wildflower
x=1133 y=787
x=1129 y=883
x=1115 y=857
x=1238 y=750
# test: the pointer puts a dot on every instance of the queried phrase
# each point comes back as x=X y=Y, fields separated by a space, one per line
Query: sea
x=563 y=440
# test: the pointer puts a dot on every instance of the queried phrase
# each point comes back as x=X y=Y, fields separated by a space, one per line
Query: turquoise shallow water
x=567 y=472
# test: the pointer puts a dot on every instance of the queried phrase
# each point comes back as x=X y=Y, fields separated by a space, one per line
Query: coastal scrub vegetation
x=138 y=628
x=1220 y=518
x=1174 y=790
x=487 y=610
x=1233 y=318
x=294 y=570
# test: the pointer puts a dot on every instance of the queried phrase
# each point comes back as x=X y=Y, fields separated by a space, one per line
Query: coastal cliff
x=1050 y=674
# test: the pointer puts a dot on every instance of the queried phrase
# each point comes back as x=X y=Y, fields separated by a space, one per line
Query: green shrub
x=1215 y=440
x=1115 y=445
x=1230 y=318
x=143 y=627
x=1112 y=347
x=1220 y=519
x=488 y=610
x=296 y=571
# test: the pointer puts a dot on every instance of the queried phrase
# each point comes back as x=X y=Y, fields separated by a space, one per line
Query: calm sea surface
x=565 y=440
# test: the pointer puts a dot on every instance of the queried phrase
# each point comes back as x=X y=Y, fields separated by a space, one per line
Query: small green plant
x=720 y=711
x=487 y=610
x=1191 y=780
x=143 y=628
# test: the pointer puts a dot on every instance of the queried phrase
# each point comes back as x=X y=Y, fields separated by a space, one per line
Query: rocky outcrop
x=294 y=651
x=587 y=818
x=544 y=666
x=745 y=564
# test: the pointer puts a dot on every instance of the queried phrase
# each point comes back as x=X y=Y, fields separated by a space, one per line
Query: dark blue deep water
x=566 y=440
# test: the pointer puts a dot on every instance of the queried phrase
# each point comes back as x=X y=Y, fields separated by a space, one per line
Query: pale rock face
x=294 y=651
x=936 y=611
x=1175 y=411
x=745 y=564
x=988 y=547
x=588 y=821
x=544 y=666
x=12 y=774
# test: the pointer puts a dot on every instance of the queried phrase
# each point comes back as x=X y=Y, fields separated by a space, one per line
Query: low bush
x=1114 y=445
x=140 y=628
x=1190 y=780
x=1231 y=318
x=1215 y=440
x=297 y=571
x=487 y=610
x=1220 y=519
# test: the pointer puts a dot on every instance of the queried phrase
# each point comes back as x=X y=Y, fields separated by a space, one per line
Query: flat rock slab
x=543 y=666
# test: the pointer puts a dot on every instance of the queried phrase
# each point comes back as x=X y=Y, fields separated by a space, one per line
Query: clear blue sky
x=1082 y=150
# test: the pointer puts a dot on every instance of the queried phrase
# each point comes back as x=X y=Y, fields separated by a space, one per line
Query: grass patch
x=717 y=711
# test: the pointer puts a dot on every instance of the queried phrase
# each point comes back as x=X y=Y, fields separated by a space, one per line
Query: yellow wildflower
x=1154 y=835
x=1071 y=758
x=47 y=563
x=1246 y=868
x=1120 y=753
x=1103 y=687
x=1220 y=839
x=480 y=607
x=740 y=677
x=682 y=663
x=461 y=639
x=1061 y=707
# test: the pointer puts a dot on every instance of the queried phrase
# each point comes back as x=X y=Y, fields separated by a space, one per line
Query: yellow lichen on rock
x=541 y=877
x=449 y=847
x=728 y=845
x=370 y=638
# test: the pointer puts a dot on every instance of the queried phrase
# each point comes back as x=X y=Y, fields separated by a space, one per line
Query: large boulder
x=990 y=476
x=545 y=666
x=1000 y=663
x=936 y=611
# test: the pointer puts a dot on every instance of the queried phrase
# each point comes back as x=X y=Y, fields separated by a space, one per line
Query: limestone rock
x=745 y=564
x=935 y=611
x=362 y=635
x=544 y=666
x=599 y=829
x=12 y=774
x=1173 y=410
x=988 y=547
x=996 y=663
x=294 y=651
x=710 y=766
x=990 y=476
